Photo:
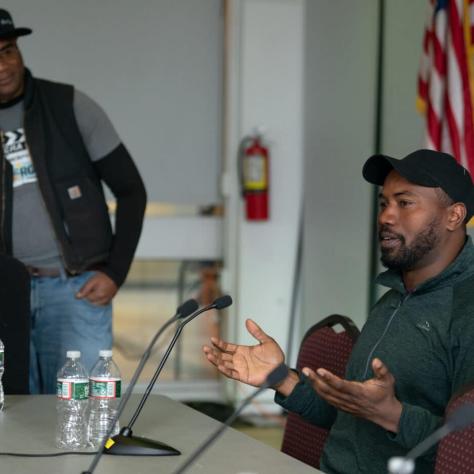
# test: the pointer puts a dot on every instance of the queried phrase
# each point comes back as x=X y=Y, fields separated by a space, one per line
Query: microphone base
x=137 y=446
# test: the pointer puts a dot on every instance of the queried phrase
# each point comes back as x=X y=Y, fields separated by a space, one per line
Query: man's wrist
x=289 y=383
x=390 y=419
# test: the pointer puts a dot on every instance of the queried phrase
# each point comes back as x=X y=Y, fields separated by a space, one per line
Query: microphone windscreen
x=277 y=375
x=461 y=417
x=222 y=302
x=187 y=308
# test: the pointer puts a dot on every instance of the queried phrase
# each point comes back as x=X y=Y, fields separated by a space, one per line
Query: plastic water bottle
x=2 y=359
x=72 y=402
x=105 y=387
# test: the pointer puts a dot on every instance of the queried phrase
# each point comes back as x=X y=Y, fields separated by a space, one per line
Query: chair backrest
x=15 y=324
x=456 y=451
x=322 y=346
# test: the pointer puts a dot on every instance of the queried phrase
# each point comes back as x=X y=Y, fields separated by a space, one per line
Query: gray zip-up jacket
x=426 y=339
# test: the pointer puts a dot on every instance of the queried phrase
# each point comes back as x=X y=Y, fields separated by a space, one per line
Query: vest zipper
x=4 y=170
x=369 y=358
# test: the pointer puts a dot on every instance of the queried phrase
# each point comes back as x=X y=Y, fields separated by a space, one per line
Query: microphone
x=183 y=311
x=459 y=419
x=274 y=377
x=125 y=444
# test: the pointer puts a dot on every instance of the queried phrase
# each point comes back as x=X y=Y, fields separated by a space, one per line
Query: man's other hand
x=99 y=289
x=373 y=399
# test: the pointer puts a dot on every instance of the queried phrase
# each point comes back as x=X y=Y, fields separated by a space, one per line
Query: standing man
x=417 y=346
x=58 y=147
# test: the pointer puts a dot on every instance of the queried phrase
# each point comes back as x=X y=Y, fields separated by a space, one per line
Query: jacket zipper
x=369 y=358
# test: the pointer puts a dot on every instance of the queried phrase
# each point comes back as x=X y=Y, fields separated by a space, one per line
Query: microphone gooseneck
x=219 y=303
x=459 y=419
x=125 y=443
x=183 y=311
x=274 y=377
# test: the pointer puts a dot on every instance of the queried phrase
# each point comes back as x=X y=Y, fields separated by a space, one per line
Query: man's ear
x=456 y=215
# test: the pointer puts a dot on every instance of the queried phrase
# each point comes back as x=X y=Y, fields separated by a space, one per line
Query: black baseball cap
x=7 y=27
x=433 y=169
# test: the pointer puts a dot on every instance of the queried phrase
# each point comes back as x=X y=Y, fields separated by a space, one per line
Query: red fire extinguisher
x=254 y=164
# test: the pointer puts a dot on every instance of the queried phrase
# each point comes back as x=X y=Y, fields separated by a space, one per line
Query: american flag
x=446 y=79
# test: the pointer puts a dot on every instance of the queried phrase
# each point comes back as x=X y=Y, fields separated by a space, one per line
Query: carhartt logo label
x=5 y=21
x=425 y=325
x=74 y=192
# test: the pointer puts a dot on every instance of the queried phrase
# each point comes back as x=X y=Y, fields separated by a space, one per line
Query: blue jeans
x=61 y=322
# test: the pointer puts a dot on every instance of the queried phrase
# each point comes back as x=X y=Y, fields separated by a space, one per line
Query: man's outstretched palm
x=248 y=364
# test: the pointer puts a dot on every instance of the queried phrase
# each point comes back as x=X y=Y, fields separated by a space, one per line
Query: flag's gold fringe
x=421 y=105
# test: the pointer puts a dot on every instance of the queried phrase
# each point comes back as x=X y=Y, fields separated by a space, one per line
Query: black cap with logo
x=7 y=27
x=429 y=168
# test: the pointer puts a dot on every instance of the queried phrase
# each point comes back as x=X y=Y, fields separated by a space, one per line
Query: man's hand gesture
x=373 y=399
x=248 y=364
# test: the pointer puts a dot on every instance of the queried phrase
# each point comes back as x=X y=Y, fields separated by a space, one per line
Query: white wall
x=341 y=41
x=265 y=73
x=304 y=69
x=156 y=68
x=402 y=124
x=340 y=105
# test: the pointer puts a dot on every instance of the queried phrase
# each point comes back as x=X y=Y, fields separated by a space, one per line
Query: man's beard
x=407 y=257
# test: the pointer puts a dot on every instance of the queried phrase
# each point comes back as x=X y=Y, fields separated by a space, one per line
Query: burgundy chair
x=322 y=346
x=455 y=453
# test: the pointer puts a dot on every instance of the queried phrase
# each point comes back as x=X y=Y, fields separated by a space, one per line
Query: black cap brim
x=15 y=33
x=377 y=167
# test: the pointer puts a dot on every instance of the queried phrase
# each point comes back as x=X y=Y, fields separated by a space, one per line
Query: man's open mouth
x=388 y=241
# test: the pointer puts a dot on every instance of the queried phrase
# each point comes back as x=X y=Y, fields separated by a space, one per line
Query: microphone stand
x=125 y=444
x=183 y=311
x=275 y=377
x=459 y=419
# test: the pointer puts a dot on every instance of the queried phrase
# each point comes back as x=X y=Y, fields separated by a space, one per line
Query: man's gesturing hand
x=373 y=399
x=248 y=364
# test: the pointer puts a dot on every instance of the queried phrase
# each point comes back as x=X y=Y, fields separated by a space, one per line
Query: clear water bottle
x=71 y=404
x=2 y=365
x=105 y=387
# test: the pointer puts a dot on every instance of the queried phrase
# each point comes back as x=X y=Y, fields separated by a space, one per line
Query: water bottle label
x=1 y=358
x=72 y=390
x=105 y=388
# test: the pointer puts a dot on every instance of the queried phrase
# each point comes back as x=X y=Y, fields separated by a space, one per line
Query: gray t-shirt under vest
x=34 y=242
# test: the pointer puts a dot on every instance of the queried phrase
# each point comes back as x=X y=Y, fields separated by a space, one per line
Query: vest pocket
x=85 y=216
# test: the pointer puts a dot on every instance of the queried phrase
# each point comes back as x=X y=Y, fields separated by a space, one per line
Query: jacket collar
x=460 y=268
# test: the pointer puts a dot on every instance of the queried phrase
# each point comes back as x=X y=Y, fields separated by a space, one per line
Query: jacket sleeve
x=304 y=401
x=118 y=171
x=416 y=424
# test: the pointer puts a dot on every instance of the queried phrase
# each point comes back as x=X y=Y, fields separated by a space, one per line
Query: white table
x=28 y=425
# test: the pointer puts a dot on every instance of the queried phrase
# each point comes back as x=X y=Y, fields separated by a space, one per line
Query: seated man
x=417 y=346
